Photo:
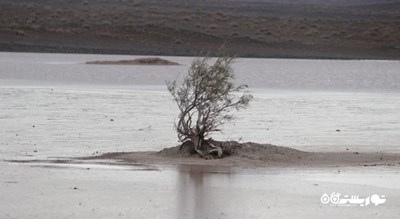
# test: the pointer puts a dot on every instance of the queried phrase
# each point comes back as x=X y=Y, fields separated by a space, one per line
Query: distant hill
x=328 y=2
x=345 y=29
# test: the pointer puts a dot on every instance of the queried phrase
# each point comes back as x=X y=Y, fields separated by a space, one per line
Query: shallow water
x=86 y=121
x=98 y=191
x=72 y=104
x=53 y=105
x=287 y=74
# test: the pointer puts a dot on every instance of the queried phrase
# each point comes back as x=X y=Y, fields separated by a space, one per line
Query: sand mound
x=250 y=155
x=139 y=61
x=244 y=155
x=248 y=150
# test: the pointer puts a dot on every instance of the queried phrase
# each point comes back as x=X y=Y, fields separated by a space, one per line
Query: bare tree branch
x=205 y=98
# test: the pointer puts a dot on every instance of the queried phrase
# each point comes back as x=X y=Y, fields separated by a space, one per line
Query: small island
x=247 y=155
x=138 y=61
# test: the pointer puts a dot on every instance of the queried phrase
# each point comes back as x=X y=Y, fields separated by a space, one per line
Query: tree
x=205 y=99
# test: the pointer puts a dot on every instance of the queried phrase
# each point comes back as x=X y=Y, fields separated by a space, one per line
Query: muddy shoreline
x=325 y=160
x=252 y=155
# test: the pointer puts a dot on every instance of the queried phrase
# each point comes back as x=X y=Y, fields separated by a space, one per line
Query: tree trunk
x=198 y=143
x=205 y=148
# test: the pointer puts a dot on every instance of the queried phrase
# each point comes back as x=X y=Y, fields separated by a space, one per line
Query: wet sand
x=283 y=157
x=245 y=155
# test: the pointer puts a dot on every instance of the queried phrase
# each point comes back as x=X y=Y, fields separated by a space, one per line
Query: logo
x=335 y=200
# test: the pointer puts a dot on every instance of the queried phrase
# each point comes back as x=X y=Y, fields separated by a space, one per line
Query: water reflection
x=196 y=193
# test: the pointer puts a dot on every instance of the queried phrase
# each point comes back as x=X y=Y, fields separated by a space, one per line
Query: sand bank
x=138 y=61
x=248 y=155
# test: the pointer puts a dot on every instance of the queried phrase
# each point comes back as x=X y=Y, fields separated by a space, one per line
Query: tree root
x=207 y=151
x=215 y=149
